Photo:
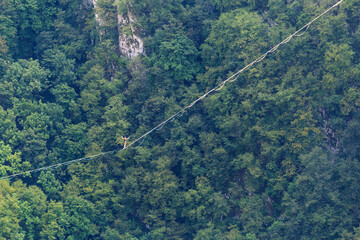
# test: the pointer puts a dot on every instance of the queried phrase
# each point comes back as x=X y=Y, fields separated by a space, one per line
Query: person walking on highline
x=125 y=139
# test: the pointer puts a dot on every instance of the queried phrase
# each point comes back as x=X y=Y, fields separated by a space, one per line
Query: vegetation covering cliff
x=274 y=155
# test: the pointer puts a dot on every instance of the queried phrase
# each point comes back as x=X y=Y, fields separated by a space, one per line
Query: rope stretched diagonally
x=232 y=78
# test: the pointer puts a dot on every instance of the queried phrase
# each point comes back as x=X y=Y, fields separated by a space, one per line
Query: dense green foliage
x=274 y=155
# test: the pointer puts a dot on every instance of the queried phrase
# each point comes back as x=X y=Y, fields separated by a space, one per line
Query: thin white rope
x=217 y=88
x=142 y=142
x=299 y=35
x=160 y=128
x=57 y=165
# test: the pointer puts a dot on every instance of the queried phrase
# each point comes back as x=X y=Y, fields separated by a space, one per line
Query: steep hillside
x=272 y=155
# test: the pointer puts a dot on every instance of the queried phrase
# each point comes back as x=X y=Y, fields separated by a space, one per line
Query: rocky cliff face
x=130 y=43
x=98 y=19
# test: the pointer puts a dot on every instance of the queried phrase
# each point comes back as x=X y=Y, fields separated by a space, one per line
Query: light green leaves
x=10 y=162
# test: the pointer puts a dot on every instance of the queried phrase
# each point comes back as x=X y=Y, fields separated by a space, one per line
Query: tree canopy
x=272 y=155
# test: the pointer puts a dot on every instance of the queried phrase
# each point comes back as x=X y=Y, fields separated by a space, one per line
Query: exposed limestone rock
x=97 y=17
x=130 y=44
x=332 y=142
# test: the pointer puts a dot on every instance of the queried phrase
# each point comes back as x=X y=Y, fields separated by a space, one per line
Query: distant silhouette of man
x=125 y=139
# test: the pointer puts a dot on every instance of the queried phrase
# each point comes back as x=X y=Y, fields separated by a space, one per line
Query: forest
x=272 y=155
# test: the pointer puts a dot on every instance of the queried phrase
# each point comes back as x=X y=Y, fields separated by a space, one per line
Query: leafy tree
x=223 y=55
x=53 y=221
x=62 y=68
x=10 y=163
x=115 y=123
x=24 y=79
x=273 y=155
x=9 y=217
x=8 y=33
x=313 y=206
x=72 y=141
x=31 y=207
x=91 y=94
x=8 y=128
x=34 y=138
x=79 y=215
x=176 y=56
x=49 y=184
x=30 y=18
